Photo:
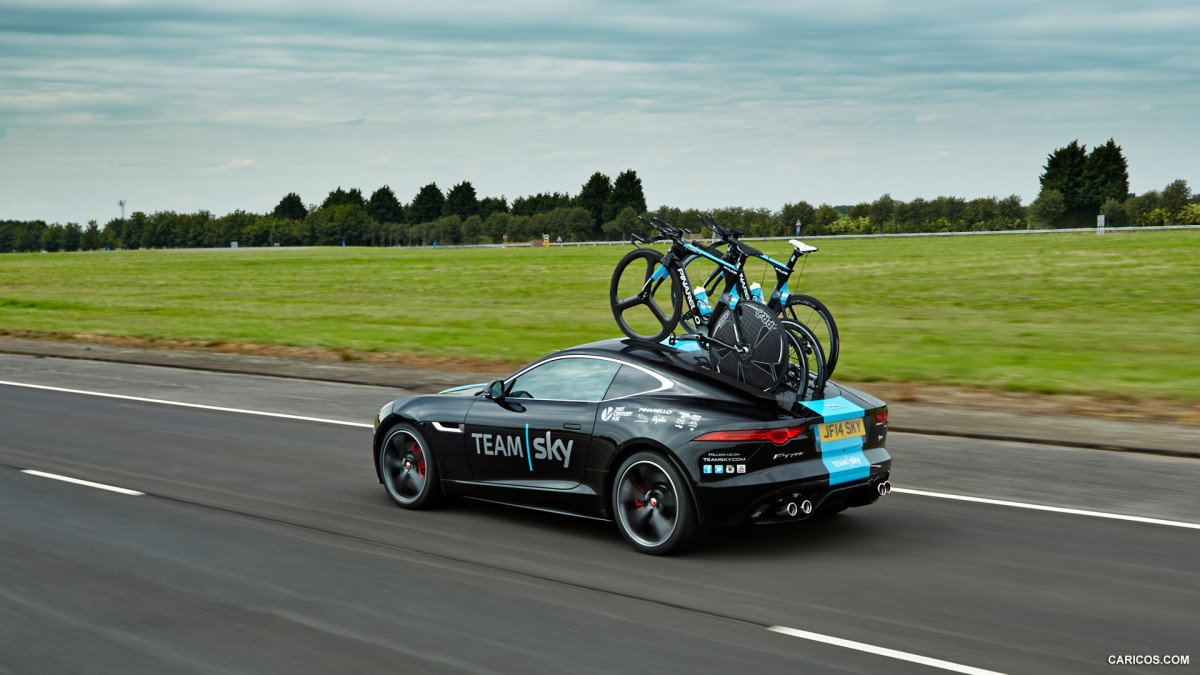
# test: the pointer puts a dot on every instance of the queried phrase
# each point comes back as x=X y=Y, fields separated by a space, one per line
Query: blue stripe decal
x=659 y=273
x=465 y=386
x=844 y=458
x=528 y=450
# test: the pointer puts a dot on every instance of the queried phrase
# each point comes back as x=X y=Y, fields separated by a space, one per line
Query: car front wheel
x=408 y=469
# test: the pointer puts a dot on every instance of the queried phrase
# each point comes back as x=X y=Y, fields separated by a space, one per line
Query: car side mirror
x=495 y=390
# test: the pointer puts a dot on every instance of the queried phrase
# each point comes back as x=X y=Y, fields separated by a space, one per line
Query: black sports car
x=640 y=433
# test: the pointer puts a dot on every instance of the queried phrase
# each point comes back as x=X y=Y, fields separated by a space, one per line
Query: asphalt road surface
x=265 y=544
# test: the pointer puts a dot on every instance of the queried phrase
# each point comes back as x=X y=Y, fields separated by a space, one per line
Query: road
x=265 y=544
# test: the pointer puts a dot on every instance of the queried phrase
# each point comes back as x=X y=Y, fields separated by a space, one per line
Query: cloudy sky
x=223 y=105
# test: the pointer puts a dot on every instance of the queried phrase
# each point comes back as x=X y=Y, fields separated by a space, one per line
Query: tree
x=383 y=206
x=594 y=195
x=625 y=223
x=72 y=236
x=347 y=222
x=542 y=202
x=461 y=201
x=52 y=238
x=426 y=207
x=824 y=219
x=1064 y=172
x=802 y=211
x=91 y=237
x=1047 y=209
x=340 y=197
x=1106 y=175
x=882 y=211
x=1174 y=198
x=290 y=208
x=1139 y=207
x=472 y=230
x=1114 y=213
x=490 y=205
x=626 y=193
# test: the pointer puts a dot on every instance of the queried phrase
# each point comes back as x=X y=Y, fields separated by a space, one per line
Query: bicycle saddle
x=801 y=246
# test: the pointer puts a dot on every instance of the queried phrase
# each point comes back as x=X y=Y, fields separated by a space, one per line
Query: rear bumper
x=763 y=497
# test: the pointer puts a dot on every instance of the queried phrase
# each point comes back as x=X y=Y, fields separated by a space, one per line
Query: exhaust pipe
x=806 y=507
x=790 y=509
x=884 y=488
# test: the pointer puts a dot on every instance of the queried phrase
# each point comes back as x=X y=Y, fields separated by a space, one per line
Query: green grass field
x=1062 y=313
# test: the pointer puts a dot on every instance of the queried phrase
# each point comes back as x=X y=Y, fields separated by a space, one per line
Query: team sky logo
x=544 y=448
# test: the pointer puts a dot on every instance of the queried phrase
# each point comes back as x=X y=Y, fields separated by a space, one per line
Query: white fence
x=846 y=236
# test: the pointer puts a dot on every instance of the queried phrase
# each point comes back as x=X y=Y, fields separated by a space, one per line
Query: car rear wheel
x=652 y=506
x=408 y=469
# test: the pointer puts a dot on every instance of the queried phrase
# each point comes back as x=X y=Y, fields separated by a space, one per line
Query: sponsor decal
x=688 y=420
x=787 y=455
x=641 y=419
x=656 y=411
x=545 y=448
x=842 y=457
x=658 y=419
x=615 y=414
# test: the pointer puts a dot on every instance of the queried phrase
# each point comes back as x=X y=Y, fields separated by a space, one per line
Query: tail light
x=778 y=435
x=881 y=418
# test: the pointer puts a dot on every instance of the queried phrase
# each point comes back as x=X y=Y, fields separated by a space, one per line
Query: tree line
x=1075 y=186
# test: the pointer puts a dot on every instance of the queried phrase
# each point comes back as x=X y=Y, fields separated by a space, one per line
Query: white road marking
x=882 y=651
x=88 y=483
x=180 y=404
x=1052 y=509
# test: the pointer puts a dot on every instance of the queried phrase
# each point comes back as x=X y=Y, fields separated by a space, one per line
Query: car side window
x=630 y=381
x=569 y=379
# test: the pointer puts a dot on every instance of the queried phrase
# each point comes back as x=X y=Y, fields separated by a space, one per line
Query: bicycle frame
x=736 y=285
x=783 y=273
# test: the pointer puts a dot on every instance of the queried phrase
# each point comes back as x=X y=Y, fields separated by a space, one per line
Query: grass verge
x=1117 y=315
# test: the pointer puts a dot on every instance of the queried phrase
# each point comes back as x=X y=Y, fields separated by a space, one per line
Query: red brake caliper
x=416 y=451
x=637 y=501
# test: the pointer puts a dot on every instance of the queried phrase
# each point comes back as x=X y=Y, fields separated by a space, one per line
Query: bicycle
x=800 y=308
x=745 y=339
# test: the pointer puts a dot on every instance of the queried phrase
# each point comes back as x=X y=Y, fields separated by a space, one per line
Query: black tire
x=766 y=365
x=632 y=288
x=794 y=385
x=813 y=313
x=652 y=506
x=809 y=350
x=409 y=472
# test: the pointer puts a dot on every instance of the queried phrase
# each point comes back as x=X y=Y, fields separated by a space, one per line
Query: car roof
x=680 y=362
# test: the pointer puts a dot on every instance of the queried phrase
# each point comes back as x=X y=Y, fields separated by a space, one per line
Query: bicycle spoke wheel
x=808 y=356
x=646 y=307
x=813 y=313
x=765 y=364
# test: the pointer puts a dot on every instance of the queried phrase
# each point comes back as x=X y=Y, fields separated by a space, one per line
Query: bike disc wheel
x=766 y=363
x=645 y=307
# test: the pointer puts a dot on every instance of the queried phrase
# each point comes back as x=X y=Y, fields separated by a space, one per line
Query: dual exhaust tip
x=791 y=509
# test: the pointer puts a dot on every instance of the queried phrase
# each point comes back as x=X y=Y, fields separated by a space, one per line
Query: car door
x=539 y=433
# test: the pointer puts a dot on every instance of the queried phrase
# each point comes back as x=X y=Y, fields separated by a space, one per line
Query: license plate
x=836 y=431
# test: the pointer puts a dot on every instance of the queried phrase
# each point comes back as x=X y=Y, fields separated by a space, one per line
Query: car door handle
x=569 y=425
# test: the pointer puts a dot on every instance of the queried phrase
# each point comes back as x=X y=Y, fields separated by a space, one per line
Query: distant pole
x=122 y=203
